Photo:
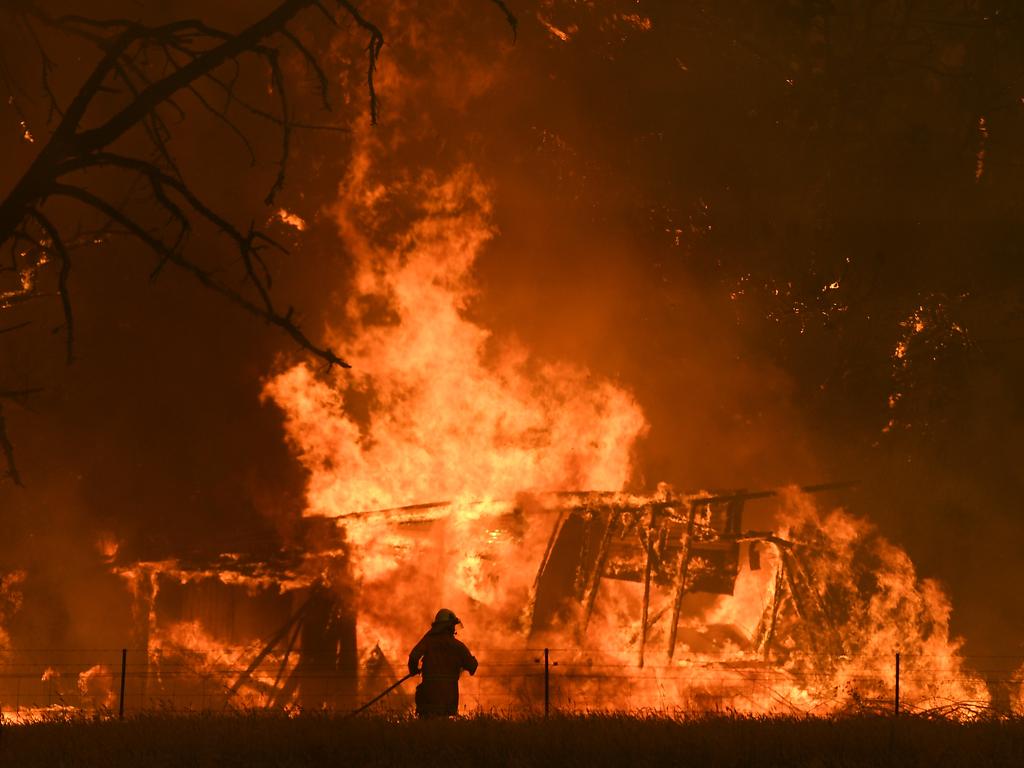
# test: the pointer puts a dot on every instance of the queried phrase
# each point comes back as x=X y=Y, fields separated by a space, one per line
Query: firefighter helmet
x=445 y=618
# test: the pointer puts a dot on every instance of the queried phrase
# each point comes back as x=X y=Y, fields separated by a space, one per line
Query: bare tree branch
x=373 y=49
x=148 y=68
x=61 y=252
x=313 y=64
x=5 y=441
x=512 y=20
x=70 y=142
x=8 y=451
x=15 y=327
x=286 y=126
x=46 y=65
x=232 y=98
x=267 y=312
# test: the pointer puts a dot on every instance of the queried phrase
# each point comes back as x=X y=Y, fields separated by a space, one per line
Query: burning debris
x=656 y=600
x=667 y=599
x=664 y=601
x=685 y=544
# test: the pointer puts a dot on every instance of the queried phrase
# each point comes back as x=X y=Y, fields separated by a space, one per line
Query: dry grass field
x=312 y=740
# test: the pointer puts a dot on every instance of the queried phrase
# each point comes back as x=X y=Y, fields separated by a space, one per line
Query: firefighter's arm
x=470 y=663
x=414 y=659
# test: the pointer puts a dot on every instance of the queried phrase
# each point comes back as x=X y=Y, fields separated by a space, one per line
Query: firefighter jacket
x=442 y=655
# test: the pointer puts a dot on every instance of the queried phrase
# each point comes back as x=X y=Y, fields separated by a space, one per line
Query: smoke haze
x=629 y=192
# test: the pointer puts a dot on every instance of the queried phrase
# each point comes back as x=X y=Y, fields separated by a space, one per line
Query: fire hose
x=381 y=695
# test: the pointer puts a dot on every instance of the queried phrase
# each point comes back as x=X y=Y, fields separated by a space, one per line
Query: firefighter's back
x=444 y=656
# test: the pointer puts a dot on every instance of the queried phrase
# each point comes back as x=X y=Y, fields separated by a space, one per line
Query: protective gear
x=437 y=698
x=443 y=659
x=445 y=618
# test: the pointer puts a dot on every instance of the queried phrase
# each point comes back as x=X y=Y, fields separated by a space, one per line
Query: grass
x=592 y=741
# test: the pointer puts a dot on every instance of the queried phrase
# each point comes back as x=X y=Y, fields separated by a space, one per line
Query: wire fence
x=47 y=683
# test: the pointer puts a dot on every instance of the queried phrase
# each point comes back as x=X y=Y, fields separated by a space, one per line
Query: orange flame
x=453 y=413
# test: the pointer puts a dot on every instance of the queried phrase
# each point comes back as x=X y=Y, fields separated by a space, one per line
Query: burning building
x=645 y=599
x=664 y=600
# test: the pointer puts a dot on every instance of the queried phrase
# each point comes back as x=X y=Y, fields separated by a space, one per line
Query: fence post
x=124 y=667
x=896 y=702
x=547 y=683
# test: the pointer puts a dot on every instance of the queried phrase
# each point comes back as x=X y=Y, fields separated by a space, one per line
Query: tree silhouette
x=118 y=123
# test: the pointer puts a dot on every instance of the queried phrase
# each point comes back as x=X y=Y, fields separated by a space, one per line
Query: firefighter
x=443 y=658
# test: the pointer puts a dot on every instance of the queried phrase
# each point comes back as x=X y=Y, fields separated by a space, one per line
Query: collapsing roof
x=686 y=544
x=679 y=544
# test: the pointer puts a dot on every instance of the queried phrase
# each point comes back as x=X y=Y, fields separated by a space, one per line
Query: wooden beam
x=555 y=531
x=765 y=633
x=649 y=547
x=271 y=644
x=681 y=573
x=594 y=581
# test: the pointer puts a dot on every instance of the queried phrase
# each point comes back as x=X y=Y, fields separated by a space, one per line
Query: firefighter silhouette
x=443 y=659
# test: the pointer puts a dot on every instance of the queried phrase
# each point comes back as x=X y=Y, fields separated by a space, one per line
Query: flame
x=456 y=413
x=107 y=545
x=979 y=164
x=436 y=455
x=1017 y=699
x=195 y=669
x=886 y=609
x=96 y=685
x=643 y=23
x=291 y=219
x=562 y=34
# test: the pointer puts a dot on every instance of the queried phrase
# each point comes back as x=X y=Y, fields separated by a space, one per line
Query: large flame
x=438 y=408
x=453 y=412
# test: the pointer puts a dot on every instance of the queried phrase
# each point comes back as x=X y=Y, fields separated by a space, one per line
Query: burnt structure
x=300 y=601
x=297 y=599
x=685 y=544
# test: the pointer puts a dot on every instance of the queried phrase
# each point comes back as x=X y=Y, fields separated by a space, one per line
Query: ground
x=313 y=740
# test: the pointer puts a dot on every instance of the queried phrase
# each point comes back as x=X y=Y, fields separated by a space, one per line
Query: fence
x=39 y=683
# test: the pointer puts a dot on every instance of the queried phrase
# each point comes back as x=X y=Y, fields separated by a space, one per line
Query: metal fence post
x=547 y=684
x=124 y=667
x=896 y=702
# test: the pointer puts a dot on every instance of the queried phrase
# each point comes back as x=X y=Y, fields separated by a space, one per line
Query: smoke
x=522 y=309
